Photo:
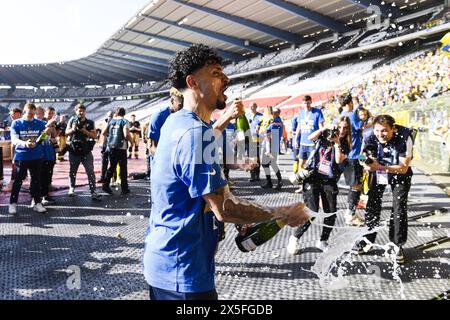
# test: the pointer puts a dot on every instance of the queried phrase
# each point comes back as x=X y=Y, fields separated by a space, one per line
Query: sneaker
x=348 y=216
x=363 y=248
x=38 y=207
x=322 y=245
x=267 y=186
x=357 y=220
x=48 y=200
x=107 y=189
x=400 y=256
x=71 y=191
x=95 y=196
x=293 y=246
x=12 y=209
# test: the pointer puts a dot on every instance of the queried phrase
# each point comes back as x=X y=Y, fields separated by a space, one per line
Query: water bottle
x=257 y=234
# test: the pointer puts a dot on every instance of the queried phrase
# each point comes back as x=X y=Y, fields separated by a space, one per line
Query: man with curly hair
x=190 y=195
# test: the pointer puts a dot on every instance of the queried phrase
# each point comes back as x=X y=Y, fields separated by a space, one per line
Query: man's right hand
x=30 y=144
x=294 y=215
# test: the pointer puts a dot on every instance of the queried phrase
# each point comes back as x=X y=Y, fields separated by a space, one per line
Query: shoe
x=95 y=196
x=267 y=186
x=48 y=200
x=348 y=217
x=357 y=220
x=12 y=208
x=107 y=189
x=279 y=185
x=293 y=246
x=136 y=157
x=400 y=256
x=322 y=245
x=363 y=248
x=71 y=191
x=38 y=207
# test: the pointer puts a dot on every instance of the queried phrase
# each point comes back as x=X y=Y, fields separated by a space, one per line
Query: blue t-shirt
x=156 y=123
x=183 y=232
x=28 y=130
x=357 y=125
x=309 y=122
x=255 y=121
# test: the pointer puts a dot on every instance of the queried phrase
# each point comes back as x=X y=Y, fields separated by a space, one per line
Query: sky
x=43 y=31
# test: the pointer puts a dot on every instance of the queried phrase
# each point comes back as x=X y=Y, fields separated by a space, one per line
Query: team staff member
x=28 y=156
x=189 y=193
x=393 y=150
x=118 y=134
x=254 y=119
x=49 y=159
x=309 y=120
x=327 y=164
x=135 y=131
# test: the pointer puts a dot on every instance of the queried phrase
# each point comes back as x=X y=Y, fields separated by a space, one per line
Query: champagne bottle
x=258 y=234
x=42 y=137
x=242 y=126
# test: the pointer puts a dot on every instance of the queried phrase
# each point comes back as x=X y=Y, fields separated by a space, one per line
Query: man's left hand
x=236 y=109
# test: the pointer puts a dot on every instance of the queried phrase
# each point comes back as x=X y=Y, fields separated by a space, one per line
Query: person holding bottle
x=27 y=135
x=191 y=198
x=331 y=149
x=254 y=119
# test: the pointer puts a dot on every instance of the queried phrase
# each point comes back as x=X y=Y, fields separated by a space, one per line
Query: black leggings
x=327 y=190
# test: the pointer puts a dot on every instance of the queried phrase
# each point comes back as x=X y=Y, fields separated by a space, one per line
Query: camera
x=368 y=154
x=299 y=177
x=331 y=133
x=79 y=123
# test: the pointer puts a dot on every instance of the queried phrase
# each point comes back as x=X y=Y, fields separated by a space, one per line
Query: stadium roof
x=141 y=50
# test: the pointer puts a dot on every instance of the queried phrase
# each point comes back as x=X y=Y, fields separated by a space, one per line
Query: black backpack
x=116 y=137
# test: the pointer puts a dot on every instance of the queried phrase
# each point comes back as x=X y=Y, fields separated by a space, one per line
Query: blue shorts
x=162 y=294
x=305 y=151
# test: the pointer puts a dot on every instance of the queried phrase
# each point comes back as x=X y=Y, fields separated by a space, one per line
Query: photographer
x=81 y=133
x=391 y=146
x=324 y=166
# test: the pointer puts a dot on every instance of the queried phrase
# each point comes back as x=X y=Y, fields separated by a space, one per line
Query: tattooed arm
x=228 y=208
